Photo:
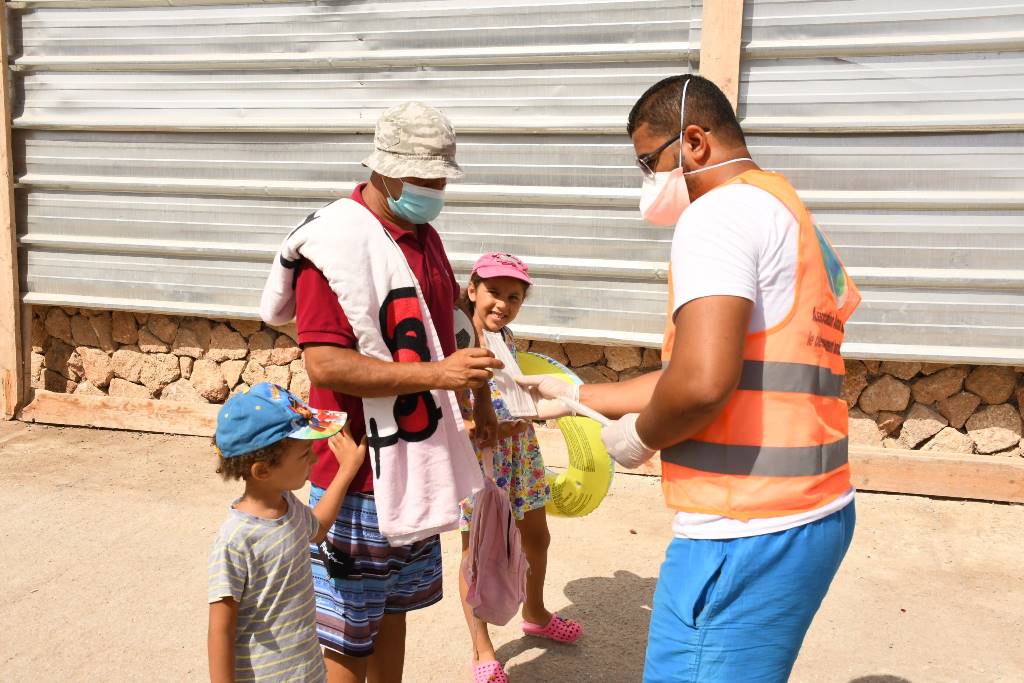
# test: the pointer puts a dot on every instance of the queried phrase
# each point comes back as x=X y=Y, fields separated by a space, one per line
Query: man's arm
x=220 y=640
x=332 y=362
x=349 y=372
x=616 y=399
x=702 y=364
x=613 y=400
x=707 y=360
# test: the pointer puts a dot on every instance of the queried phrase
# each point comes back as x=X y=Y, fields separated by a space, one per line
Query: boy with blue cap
x=262 y=606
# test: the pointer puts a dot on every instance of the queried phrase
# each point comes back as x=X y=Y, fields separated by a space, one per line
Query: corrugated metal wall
x=163 y=151
x=902 y=124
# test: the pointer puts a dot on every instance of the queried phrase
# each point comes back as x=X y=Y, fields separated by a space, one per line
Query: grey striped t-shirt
x=264 y=565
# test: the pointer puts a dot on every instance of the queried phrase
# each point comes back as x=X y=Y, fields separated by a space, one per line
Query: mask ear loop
x=387 y=189
x=682 y=118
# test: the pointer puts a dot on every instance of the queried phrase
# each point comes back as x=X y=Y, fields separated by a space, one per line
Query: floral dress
x=518 y=466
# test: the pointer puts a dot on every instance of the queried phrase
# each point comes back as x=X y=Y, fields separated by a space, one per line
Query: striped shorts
x=379 y=579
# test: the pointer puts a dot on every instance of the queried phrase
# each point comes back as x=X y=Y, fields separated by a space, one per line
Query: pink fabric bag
x=495 y=567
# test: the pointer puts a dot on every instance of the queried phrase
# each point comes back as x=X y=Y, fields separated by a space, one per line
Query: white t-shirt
x=739 y=240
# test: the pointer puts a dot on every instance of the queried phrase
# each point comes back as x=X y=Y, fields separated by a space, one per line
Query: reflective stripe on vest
x=764 y=461
x=801 y=378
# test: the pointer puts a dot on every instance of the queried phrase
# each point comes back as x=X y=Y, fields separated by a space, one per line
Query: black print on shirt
x=416 y=415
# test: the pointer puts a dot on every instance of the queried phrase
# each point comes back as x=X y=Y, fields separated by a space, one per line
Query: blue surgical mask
x=417 y=204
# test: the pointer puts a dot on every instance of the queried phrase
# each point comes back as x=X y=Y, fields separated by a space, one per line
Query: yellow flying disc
x=581 y=488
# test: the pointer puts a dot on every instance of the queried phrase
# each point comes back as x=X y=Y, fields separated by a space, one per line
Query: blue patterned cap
x=267 y=414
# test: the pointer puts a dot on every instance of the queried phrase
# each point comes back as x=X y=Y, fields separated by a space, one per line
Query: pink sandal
x=558 y=629
x=489 y=672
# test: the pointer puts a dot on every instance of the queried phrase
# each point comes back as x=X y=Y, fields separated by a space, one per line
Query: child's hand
x=349 y=456
x=514 y=428
x=485 y=421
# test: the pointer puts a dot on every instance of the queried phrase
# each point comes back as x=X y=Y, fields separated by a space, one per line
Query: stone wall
x=170 y=358
x=924 y=406
x=596 y=364
x=936 y=406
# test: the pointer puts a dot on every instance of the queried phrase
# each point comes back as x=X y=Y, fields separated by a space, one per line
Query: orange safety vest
x=779 y=447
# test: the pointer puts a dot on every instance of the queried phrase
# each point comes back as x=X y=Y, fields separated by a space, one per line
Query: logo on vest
x=833 y=268
x=828 y=318
x=829 y=345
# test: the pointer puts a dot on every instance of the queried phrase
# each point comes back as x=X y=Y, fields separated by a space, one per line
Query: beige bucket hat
x=414 y=140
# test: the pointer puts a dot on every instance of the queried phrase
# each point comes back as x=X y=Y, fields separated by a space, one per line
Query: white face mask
x=664 y=198
x=651 y=188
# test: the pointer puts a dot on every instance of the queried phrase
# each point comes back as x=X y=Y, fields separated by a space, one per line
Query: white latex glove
x=624 y=444
x=546 y=392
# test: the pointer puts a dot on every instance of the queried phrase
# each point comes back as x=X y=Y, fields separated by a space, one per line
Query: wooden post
x=12 y=374
x=720 y=36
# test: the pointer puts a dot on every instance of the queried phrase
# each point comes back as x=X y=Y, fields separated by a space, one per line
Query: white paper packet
x=517 y=399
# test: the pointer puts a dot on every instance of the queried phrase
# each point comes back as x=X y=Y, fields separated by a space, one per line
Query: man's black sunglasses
x=647 y=162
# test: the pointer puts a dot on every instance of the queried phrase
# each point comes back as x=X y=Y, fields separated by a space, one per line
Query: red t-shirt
x=320 y=319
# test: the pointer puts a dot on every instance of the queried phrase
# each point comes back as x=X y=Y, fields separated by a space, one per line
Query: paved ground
x=103 y=541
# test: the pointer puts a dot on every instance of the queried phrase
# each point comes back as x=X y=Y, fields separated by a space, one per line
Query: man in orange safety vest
x=746 y=411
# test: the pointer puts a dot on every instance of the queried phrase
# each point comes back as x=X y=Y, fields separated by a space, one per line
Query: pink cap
x=497 y=264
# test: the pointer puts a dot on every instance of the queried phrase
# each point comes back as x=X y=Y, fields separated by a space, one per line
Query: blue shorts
x=377 y=580
x=738 y=609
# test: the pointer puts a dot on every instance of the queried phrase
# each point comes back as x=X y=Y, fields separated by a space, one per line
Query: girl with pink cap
x=497 y=289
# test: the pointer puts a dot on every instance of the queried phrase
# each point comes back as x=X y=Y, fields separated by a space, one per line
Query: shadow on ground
x=615 y=612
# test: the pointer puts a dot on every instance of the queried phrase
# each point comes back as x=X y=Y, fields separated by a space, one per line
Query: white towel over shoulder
x=423 y=462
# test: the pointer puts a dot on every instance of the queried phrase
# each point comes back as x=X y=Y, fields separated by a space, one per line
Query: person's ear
x=697 y=143
x=471 y=292
x=259 y=471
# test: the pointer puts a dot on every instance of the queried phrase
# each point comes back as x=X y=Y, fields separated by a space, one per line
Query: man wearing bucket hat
x=747 y=412
x=361 y=606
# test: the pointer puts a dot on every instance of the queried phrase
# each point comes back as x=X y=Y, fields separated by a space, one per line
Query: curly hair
x=240 y=466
